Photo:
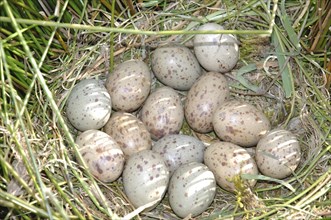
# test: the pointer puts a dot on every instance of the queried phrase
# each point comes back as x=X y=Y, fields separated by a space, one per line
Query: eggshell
x=216 y=52
x=145 y=178
x=240 y=123
x=178 y=149
x=278 y=154
x=206 y=94
x=102 y=155
x=162 y=113
x=129 y=132
x=192 y=189
x=175 y=66
x=227 y=160
x=129 y=85
x=88 y=105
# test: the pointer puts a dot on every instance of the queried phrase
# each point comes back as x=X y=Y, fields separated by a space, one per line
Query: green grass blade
x=131 y=31
x=13 y=201
x=283 y=61
x=288 y=27
x=239 y=76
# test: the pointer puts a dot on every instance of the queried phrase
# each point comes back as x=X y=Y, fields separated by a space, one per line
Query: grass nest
x=48 y=46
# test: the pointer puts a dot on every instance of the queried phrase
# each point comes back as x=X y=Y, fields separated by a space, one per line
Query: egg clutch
x=131 y=130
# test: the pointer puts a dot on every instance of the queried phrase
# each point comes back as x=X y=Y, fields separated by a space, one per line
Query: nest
x=40 y=176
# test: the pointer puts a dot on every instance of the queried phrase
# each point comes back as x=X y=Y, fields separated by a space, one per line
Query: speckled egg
x=145 y=178
x=129 y=132
x=102 y=155
x=216 y=52
x=278 y=154
x=178 y=149
x=175 y=66
x=88 y=105
x=206 y=94
x=192 y=189
x=240 y=123
x=129 y=85
x=163 y=112
x=227 y=160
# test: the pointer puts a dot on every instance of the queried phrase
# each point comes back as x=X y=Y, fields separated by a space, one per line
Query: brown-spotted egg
x=192 y=189
x=102 y=155
x=179 y=149
x=226 y=161
x=88 y=105
x=162 y=113
x=145 y=179
x=278 y=153
x=240 y=123
x=216 y=52
x=129 y=132
x=206 y=94
x=175 y=66
x=129 y=85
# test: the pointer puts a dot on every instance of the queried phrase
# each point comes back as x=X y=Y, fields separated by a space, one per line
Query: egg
x=162 y=113
x=102 y=155
x=278 y=154
x=240 y=123
x=206 y=94
x=226 y=161
x=129 y=85
x=129 y=132
x=88 y=105
x=192 y=189
x=216 y=52
x=145 y=178
x=175 y=66
x=178 y=149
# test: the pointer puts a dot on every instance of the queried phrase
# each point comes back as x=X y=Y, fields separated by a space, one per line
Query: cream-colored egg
x=192 y=189
x=102 y=155
x=226 y=161
x=129 y=132
x=278 y=154
x=175 y=66
x=129 y=85
x=240 y=123
x=88 y=105
x=216 y=52
x=179 y=149
x=145 y=178
x=206 y=94
x=163 y=112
